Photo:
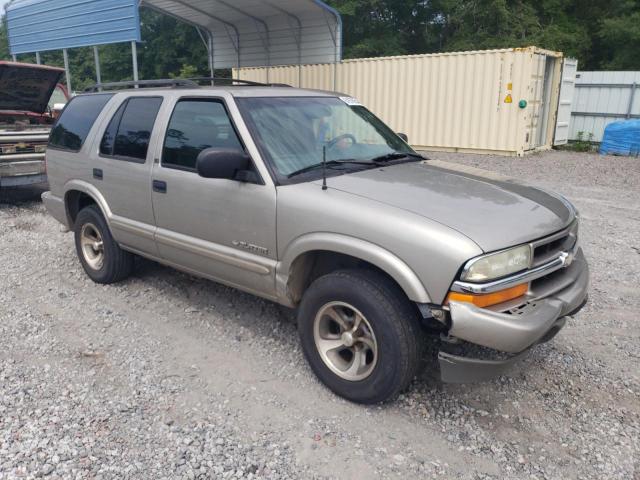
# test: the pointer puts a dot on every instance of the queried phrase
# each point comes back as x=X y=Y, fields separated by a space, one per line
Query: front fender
x=355 y=247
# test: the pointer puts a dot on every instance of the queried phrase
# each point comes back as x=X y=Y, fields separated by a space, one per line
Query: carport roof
x=245 y=33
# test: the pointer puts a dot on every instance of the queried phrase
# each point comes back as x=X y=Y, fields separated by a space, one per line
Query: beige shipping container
x=493 y=101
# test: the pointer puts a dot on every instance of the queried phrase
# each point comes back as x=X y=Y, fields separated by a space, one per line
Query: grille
x=547 y=249
x=20 y=148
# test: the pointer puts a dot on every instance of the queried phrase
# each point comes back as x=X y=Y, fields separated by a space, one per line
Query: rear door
x=565 y=100
x=122 y=170
x=221 y=229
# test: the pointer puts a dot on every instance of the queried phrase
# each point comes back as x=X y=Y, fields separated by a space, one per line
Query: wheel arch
x=299 y=265
x=79 y=194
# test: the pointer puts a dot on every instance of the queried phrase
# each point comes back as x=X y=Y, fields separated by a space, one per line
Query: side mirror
x=404 y=137
x=227 y=164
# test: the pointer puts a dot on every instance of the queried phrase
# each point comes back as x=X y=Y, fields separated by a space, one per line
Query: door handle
x=97 y=173
x=159 y=186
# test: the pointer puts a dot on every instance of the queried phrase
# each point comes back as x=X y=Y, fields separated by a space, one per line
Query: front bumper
x=22 y=169
x=516 y=331
x=21 y=180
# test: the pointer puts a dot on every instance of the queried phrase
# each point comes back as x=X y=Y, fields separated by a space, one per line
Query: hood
x=26 y=87
x=494 y=211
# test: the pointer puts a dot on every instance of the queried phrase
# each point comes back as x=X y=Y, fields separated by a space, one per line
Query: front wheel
x=361 y=335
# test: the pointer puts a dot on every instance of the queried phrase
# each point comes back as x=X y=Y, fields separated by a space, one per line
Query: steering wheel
x=346 y=136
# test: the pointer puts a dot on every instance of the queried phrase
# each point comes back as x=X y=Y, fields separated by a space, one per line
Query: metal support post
x=632 y=96
x=67 y=71
x=210 y=47
x=96 y=57
x=134 y=56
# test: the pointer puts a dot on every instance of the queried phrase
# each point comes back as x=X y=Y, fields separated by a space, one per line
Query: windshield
x=292 y=131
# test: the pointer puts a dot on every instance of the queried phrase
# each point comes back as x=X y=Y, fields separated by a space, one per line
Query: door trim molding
x=245 y=261
x=132 y=226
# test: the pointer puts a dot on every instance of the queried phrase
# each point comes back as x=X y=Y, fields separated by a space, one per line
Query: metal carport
x=237 y=33
x=244 y=33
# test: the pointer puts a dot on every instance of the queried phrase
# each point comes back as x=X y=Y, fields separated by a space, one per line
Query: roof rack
x=248 y=83
x=227 y=80
x=178 y=82
x=171 y=82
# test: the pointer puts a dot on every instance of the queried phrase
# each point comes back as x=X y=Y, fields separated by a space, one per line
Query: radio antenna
x=324 y=167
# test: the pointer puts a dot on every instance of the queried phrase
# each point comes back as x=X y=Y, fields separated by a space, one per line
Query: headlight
x=9 y=150
x=40 y=148
x=496 y=265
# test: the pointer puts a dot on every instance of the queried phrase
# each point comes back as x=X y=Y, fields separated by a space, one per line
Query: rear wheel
x=361 y=335
x=101 y=257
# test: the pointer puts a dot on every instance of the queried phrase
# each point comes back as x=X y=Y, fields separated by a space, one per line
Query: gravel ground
x=169 y=376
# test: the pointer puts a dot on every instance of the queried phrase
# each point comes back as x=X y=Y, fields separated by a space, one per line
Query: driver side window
x=195 y=125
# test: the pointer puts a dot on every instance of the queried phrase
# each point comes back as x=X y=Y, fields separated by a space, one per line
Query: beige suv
x=307 y=199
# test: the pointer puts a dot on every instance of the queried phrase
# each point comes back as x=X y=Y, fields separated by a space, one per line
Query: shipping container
x=493 y=101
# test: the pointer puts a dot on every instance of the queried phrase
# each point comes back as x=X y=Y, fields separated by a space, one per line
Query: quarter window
x=128 y=133
x=196 y=125
x=74 y=124
x=108 y=139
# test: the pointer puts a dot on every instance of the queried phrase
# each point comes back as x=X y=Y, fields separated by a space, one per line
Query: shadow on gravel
x=17 y=196
x=261 y=318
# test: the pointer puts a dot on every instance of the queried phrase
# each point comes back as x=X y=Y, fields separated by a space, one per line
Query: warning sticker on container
x=351 y=101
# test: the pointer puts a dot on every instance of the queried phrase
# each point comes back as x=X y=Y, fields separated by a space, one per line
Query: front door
x=220 y=229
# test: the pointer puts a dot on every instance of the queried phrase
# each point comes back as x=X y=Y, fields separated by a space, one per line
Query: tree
x=601 y=34
x=616 y=31
x=4 y=41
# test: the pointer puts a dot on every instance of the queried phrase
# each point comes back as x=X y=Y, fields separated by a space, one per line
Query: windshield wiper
x=329 y=164
x=395 y=156
x=369 y=163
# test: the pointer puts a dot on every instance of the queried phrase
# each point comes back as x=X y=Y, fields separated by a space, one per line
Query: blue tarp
x=621 y=138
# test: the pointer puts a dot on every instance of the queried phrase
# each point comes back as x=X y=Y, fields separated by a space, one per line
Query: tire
x=390 y=323
x=107 y=263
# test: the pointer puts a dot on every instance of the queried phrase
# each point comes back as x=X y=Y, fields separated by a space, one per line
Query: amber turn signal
x=488 y=299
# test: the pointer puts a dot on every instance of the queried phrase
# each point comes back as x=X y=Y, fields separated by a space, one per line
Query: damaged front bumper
x=512 y=334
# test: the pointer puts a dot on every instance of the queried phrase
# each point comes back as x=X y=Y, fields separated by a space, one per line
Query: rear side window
x=73 y=126
x=109 y=137
x=195 y=125
x=128 y=133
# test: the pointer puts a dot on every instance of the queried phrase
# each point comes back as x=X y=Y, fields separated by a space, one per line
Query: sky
x=2 y=4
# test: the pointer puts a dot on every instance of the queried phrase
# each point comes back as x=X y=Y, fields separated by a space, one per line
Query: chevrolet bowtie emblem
x=567 y=258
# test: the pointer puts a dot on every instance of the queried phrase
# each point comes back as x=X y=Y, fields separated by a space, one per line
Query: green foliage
x=584 y=143
x=622 y=30
x=601 y=34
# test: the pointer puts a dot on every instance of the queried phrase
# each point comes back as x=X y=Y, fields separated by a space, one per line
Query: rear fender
x=93 y=192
